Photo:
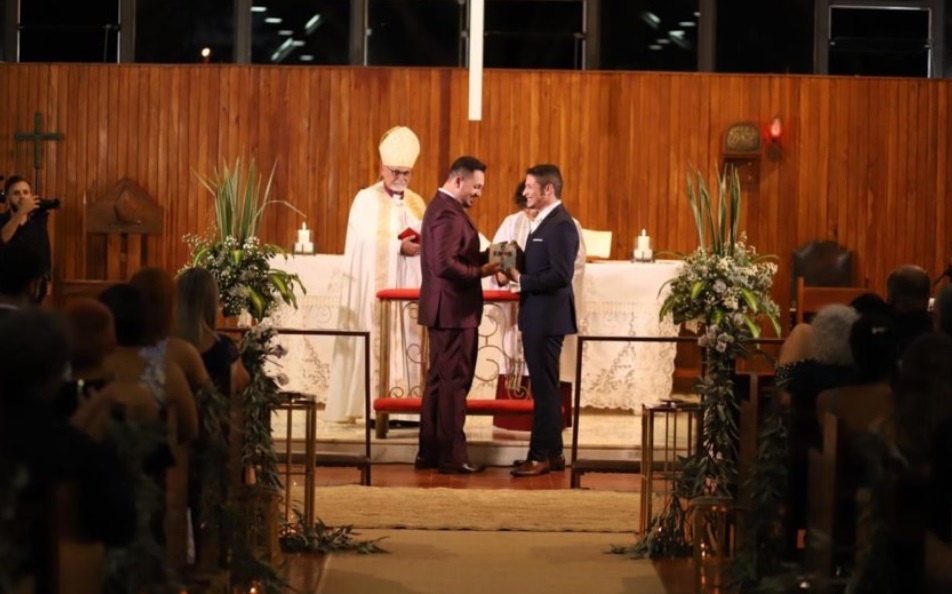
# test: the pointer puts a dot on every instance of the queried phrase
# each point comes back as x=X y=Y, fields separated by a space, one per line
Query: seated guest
x=871 y=304
x=54 y=450
x=816 y=357
x=93 y=339
x=196 y=313
x=21 y=277
x=943 y=310
x=907 y=291
x=158 y=291
x=131 y=362
x=875 y=353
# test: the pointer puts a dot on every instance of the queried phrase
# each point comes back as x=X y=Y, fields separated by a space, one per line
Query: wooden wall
x=863 y=161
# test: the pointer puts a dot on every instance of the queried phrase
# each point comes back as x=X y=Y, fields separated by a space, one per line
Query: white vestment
x=516 y=227
x=372 y=261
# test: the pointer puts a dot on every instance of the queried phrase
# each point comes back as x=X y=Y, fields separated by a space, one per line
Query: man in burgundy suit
x=451 y=307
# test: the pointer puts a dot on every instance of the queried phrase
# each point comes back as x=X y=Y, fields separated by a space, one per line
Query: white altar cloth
x=621 y=299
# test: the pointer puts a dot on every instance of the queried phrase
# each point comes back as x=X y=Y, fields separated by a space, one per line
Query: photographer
x=25 y=223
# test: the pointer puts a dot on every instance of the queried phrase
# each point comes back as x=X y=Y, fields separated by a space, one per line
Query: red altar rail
x=385 y=404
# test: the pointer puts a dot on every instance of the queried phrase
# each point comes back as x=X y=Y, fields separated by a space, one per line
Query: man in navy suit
x=546 y=313
x=451 y=307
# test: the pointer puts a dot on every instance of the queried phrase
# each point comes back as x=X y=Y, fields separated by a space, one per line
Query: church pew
x=176 y=498
x=76 y=563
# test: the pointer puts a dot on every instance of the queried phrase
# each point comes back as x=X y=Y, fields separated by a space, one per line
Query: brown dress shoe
x=531 y=468
x=462 y=469
x=555 y=464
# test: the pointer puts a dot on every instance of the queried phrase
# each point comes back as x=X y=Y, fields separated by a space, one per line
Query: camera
x=47 y=204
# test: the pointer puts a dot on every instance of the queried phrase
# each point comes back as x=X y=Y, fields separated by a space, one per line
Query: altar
x=620 y=298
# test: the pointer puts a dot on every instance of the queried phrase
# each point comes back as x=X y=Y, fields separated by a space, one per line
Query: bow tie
x=394 y=194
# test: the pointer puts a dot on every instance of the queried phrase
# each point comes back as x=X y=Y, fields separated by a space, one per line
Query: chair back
x=809 y=300
x=822 y=264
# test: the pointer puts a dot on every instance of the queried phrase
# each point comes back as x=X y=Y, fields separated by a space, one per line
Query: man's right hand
x=490 y=268
x=28 y=205
x=409 y=248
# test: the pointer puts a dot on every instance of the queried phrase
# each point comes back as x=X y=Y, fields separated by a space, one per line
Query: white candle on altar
x=644 y=242
x=304 y=236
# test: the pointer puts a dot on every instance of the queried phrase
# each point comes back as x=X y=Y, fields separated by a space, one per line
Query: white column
x=477 y=12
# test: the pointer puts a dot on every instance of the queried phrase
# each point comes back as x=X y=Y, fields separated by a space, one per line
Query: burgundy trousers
x=448 y=380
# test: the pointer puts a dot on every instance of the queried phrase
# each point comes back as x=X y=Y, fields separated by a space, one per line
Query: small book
x=506 y=253
x=411 y=234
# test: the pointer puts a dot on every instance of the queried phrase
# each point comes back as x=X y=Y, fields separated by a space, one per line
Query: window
x=176 y=31
x=300 y=31
x=417 y=33
x=765 y=37
x=649 y=34
x=534 y=34
x=55 y=31
x=879 y=42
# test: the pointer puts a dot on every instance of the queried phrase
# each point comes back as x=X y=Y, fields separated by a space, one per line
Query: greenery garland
x=721 y=289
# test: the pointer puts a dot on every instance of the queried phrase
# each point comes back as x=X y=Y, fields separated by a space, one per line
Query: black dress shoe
x=557 y=463
x=462 y=469
x=423 y=463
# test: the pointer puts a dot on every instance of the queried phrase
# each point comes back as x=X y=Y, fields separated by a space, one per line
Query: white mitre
x=399 y=147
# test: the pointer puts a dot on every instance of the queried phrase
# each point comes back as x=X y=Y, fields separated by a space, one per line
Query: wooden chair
x=121 y=233
x=77 y=564
x=811 y=299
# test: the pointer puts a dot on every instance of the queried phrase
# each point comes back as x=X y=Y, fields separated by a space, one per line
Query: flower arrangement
x=234 y=254
x=722 y=291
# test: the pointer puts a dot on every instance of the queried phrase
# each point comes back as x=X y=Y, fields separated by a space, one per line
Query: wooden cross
x=38 y=136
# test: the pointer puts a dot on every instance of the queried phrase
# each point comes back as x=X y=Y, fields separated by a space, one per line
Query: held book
x=506 y=253
x=411 y=234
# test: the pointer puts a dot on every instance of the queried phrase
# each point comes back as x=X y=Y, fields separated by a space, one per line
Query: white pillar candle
x=304 y=236
x=644 y=242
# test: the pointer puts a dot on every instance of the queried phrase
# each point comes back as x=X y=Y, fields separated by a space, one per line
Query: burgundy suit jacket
x=451 y=294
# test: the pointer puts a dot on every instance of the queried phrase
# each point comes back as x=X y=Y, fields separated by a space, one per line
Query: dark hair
x=34 y=353
x=158 y=292
x=908 y=288
x=875 y=347
x=12 y=180
x=871 y=304
x=520 y=199
x=547 y=174
x=466 y=166
x=20 y=265
x=92 y=332
x=127 y=305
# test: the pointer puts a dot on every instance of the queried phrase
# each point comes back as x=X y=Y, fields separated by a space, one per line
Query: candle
x=644 y=242
x=304 y=236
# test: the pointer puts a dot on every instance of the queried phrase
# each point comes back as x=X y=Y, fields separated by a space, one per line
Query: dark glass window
x=300 y=32
x=774 y=36
x=879 y=42
x=947 y=40
x=176 y=31
x=533 y=34
x=56 y=31
x=417 y=33
x=649 y=34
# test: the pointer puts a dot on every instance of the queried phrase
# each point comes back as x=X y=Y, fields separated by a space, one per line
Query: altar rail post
x=325 y=459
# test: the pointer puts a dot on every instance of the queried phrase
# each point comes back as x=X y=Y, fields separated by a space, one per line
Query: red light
x=776 y=128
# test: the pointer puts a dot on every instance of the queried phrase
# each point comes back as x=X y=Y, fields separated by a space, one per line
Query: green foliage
x=234 y=255
x=261 y=397
x=297 y=537
x=240 y=200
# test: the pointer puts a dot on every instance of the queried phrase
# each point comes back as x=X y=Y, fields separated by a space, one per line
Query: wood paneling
x=863 y=161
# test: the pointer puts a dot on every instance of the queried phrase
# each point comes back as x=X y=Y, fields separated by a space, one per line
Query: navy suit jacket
x=451 y=294
x=546 y=301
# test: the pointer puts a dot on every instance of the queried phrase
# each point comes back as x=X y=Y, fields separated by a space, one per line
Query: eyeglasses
x=398 y=173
